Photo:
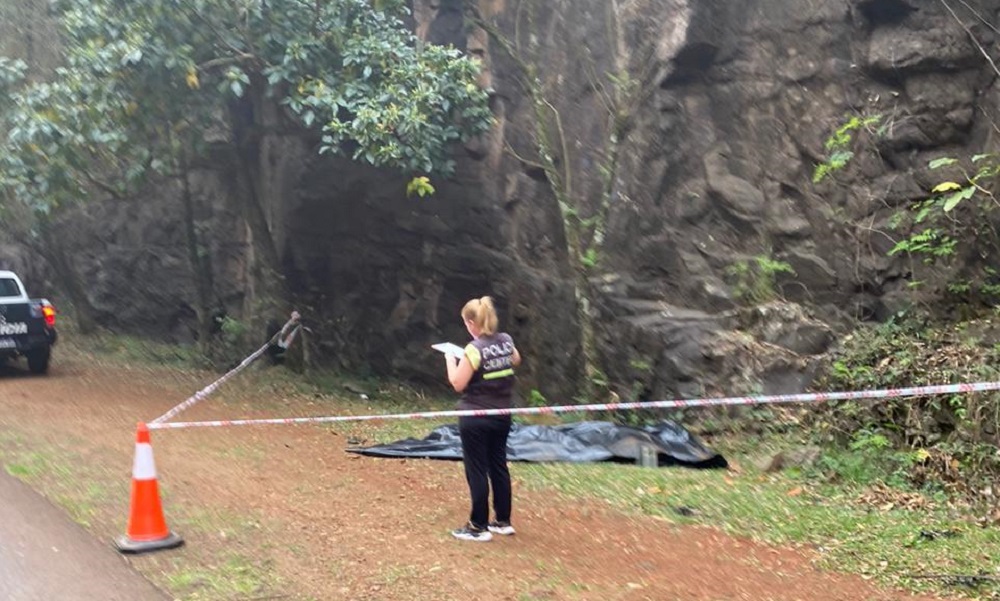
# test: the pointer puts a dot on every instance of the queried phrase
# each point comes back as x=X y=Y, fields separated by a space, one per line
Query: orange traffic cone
x=147 y=530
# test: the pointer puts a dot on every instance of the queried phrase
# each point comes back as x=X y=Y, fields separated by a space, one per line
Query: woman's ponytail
x=483 y=314
x=488 y=320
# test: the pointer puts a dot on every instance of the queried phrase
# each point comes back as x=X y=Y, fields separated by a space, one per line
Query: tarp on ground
x=578 y=442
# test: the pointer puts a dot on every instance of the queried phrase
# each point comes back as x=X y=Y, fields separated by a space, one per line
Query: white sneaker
x=501 y=528
x=470 y=532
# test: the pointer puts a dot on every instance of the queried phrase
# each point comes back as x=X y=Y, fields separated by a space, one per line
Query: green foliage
x=990 y=289
x=835 y=162
x=232 y=343
x=960 y=287
x=899 y=441
x=599 y=379
x=957 y=216
x=755 y=280
x=931 y=242
x=232 y=329
x=536 y=399
x=869 y=457
x=11 y=73
x=144 y=81
x=838 y=145
x=934 y=224
x=421 y=186
x=641 y=365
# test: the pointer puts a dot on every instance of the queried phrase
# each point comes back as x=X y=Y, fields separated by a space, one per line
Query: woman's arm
x=459 y=372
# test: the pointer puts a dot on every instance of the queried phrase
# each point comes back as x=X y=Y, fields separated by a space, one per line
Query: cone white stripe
x=144 y=468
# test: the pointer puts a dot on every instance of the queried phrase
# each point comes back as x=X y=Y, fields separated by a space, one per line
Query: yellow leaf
x=794 y=492
x=946 y=187
x=192 y=79
x=421 y=186
x=922 y=455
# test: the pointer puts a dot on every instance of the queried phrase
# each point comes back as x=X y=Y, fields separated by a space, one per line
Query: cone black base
x=127 y=545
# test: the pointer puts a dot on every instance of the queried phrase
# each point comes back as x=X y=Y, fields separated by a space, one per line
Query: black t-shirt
x=492 y=384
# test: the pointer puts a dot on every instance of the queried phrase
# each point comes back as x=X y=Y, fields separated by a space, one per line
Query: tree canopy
x=142 y=81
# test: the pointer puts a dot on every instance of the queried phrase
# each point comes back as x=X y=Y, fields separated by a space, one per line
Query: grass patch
x=29 y=465
x=123 y=349
x=19 y=471
x=886 y=545
x=394 y=575
x=66 y=479
x=235 y=578
x=230 y=525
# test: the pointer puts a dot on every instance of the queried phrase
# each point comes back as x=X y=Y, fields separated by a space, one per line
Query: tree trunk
x=200 y=258
x=553 y=149
x=583 y=294
x=267 y=291
x=270 y=290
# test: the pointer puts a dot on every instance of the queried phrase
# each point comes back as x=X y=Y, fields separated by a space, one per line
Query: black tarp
x=580 y=442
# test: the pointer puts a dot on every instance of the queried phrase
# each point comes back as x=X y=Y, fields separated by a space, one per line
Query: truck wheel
x=38 y=360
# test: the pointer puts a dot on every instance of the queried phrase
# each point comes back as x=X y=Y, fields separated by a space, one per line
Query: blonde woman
x=485 y=377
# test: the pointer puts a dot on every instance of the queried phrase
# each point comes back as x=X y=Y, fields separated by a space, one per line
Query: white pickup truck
x=27 y=326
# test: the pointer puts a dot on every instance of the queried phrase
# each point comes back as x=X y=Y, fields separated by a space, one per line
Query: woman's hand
x=459 y=372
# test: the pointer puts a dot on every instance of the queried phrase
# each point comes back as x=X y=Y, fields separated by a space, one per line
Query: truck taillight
x=49 y=313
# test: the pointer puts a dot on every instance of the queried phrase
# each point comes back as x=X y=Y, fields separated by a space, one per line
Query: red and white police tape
x=810 y=397
x=206 y=391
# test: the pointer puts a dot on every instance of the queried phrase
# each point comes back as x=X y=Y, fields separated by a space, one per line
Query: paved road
x=45 y=556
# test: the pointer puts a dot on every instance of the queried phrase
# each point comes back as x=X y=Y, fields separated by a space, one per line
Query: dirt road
x=296 y=517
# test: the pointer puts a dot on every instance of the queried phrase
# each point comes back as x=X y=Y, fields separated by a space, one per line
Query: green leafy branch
x=754 y=280
x=935 y=223
x=421 y=186
x=839 y=145
x=959 y=214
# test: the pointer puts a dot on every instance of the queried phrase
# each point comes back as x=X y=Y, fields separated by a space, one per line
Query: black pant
x=484 y=449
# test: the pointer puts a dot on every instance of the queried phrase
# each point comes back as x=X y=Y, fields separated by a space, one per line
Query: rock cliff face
x=728 y=106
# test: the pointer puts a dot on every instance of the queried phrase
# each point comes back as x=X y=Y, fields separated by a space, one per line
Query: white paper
x=449 y=349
